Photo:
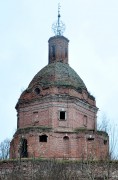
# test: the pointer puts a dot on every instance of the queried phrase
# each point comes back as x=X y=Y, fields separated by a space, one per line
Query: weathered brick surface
x=48 y=109
x=35 y=169
x=77 y=147
x=60 y=46
x=58 y=88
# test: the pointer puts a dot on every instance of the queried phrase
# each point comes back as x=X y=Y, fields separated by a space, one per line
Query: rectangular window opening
x=85 y=120
x=90 y=138
x=105 y=142
x=62 y=115
x=53 y=51
x=43 y=138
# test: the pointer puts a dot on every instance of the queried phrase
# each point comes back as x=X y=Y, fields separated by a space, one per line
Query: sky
x=25 y=27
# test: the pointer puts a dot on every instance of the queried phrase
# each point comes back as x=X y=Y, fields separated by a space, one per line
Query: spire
x=58 y=27
x=58 y=44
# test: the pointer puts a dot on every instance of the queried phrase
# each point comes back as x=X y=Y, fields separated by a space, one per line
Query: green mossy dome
x=57 y=74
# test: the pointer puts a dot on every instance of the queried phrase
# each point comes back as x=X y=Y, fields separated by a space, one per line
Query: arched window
x=105 y=142
x=43 y=138
x=66 y=52
x=66 y=138
x=37 y=90
x=53 y=51
x=23 y=148
x=66 y=146
x=85 y=120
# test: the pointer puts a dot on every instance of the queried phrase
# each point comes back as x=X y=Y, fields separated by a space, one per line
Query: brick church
x=56 y=115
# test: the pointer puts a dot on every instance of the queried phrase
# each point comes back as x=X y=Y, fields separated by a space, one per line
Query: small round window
x=37 y=90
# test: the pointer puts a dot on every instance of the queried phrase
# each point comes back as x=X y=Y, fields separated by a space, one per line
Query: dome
x=57 y=74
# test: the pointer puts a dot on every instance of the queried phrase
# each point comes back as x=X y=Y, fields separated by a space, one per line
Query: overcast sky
x=25 y=27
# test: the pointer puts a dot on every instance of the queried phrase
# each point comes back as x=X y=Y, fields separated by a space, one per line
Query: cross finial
x=59 y=6
x=59 y=26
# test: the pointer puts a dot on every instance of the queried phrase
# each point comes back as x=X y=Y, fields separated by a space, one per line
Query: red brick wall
x=52 y=169
x=78 y=146
x=48 y=113
x=60 y=51
x=43 y=111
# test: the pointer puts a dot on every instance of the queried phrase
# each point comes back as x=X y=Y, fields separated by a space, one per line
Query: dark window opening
x=85 y=120
x=23 y=151
x=37 y=91
x=53 y=51
x=105 y=142
x=90 y=139
x=66 y=146
x=43 y=138
x=65 y=138
x=17 y=120
x=66 y=53
x=62 y=115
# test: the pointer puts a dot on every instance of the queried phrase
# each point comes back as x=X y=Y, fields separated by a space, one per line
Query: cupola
x=58 y=45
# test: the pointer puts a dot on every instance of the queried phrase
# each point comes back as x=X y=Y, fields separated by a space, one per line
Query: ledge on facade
x=85 y=130
x=49 y=98
x=102 y=133
x=58 y=37
x=76 y=130
x=91 y=96
x=33 y=129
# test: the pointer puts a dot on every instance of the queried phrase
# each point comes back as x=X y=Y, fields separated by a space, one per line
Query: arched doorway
x=66 y=146
x=23 y=148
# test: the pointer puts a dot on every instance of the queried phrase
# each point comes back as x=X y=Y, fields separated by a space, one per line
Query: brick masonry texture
x=35 y=169
x=57 y=106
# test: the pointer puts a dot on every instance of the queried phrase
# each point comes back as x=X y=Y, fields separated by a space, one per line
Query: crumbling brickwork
x=35 y=169
x=56 y=113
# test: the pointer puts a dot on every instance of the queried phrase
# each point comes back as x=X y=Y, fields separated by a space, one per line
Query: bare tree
x=4 y=149
x=106 y=125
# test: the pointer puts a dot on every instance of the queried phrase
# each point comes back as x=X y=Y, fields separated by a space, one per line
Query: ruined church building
x=56 y=114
